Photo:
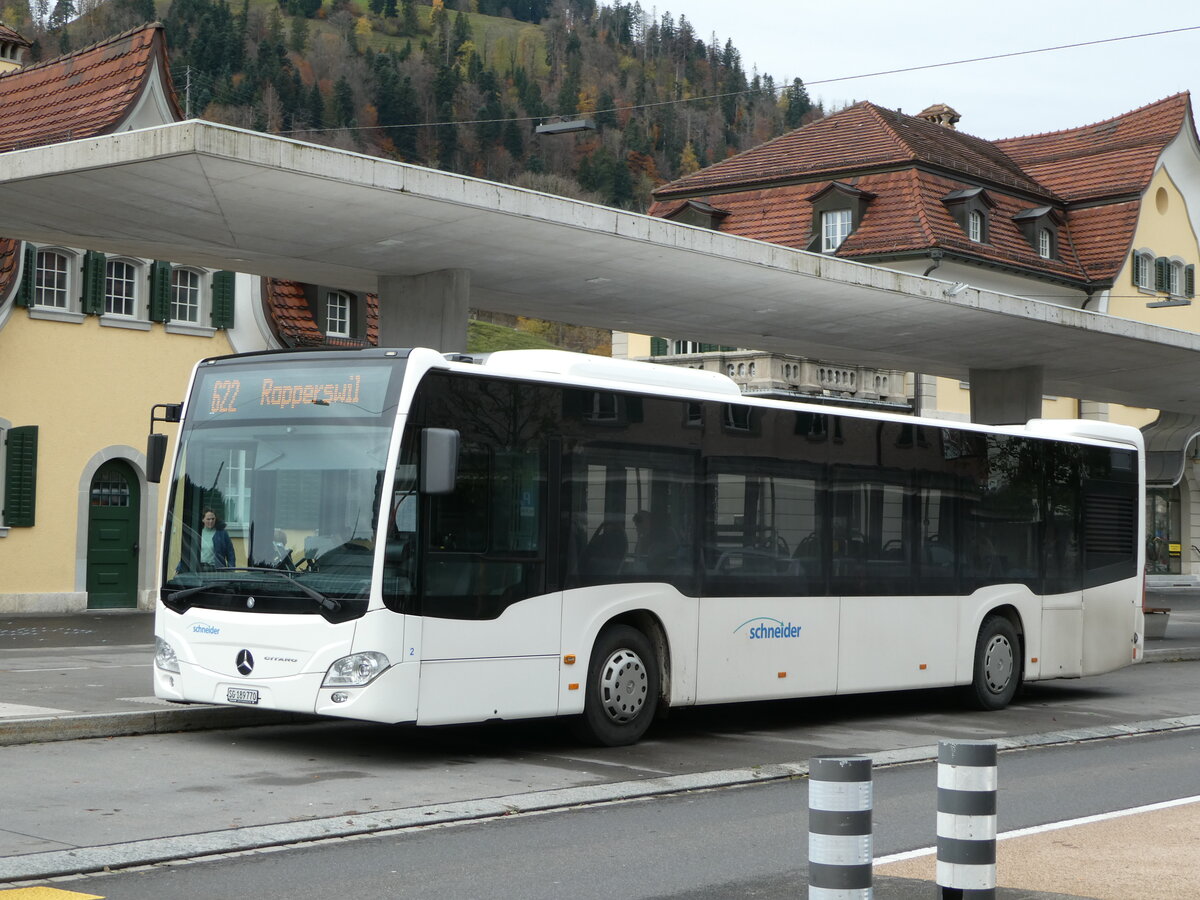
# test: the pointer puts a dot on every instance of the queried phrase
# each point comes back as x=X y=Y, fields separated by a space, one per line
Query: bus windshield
x=274 y=502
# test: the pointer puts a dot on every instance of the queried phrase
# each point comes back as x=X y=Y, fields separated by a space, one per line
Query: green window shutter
x=728 y=349
x=1136 y=269
x=1189 y=281
x=160 y=291
x=1162 y=274
x=20 y=476
x=94 y=264
x=222 y=299
x=28 y=277
x=708 y=348
x=658 y=346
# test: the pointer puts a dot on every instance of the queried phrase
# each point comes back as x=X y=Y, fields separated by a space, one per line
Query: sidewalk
x=88 y=676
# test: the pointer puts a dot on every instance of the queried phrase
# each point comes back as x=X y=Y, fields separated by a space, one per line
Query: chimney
x=940 y=114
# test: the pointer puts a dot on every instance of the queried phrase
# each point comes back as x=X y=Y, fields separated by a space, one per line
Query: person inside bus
x=216 y=547
x=655 y=545
x=283 y=554
x=604 y=553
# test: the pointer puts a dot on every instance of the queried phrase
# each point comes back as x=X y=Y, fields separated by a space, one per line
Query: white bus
x=425 y=538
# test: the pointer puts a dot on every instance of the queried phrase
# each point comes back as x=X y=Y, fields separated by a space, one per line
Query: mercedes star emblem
x=245 y=662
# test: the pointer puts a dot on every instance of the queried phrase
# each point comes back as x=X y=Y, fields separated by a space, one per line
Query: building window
x=185 y=296
x=835 y=228
x=337 y=314
x=1045 y=243
x=1143 y=271
x=1175 y=278
x=120 y=288
x=52 y=285
x=975 y=226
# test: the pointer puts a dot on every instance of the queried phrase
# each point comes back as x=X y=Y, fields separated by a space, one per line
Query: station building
x=1102 y=217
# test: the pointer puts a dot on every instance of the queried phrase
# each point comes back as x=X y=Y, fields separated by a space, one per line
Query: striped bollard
x=966 y=820
x=839 y=828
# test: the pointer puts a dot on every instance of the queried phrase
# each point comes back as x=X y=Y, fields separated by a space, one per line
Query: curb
x=126 y=724
x=151 y=851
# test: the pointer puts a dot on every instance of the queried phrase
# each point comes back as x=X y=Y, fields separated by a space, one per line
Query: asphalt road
x=740 y=842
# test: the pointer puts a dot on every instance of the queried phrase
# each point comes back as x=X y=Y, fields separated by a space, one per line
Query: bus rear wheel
x=998 y=668
x=622 y=688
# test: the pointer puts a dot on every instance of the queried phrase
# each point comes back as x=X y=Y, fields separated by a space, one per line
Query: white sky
x=1003 y=98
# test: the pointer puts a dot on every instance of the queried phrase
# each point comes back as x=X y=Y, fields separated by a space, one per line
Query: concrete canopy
x=205 y=194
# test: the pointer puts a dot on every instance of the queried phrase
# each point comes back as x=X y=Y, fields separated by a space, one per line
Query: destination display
x=292 y=391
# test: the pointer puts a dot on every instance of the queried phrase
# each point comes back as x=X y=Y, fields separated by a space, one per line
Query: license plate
x=241 y=695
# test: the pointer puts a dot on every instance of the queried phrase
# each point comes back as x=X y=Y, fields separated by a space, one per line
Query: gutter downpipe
x=935 y=260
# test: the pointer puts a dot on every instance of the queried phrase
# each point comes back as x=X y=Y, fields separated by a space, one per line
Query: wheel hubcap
x=623 y=686
x=998 y=664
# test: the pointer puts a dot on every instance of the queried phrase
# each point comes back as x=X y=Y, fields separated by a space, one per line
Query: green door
x=112 y=557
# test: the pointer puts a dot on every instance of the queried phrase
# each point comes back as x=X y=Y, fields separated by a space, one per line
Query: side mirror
x=439 y=460
x=156 y=455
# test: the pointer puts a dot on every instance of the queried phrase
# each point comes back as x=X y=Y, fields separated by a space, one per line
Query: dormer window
x=971 y=208
x=1045 y=243
x=1040 y=226
x=975 y=226
x=835 y=228
x=698 y=213
x=340 y=315
x=337 y=314
x=838 y=209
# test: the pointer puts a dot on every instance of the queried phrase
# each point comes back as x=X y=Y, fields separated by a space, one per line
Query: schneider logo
x=762 y=629
x=201 y=628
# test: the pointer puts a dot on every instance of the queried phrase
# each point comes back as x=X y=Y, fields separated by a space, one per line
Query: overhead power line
x=777 y=89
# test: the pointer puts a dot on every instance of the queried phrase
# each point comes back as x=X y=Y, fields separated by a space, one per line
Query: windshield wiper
x=187 y=592
x=322 y=601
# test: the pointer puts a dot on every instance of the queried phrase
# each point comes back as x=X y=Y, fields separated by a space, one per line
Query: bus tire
x=622 y=688
x=998 y=664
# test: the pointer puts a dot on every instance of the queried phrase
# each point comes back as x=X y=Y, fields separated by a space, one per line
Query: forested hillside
x=461 y=84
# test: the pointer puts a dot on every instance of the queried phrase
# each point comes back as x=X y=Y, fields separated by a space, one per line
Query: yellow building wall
x=954 y=401
x=88 y=388
x=1165 y=228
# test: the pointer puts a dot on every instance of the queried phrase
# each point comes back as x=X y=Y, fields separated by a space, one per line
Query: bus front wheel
x=998 y=664
x=622 y=688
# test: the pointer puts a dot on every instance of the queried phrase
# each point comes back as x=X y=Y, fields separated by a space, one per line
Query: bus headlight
x=164 y=656
x=355 y=670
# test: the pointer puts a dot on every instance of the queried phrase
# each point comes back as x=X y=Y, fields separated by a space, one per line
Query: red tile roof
x=295 y=324
x=10 y=256
x=860 y=138
x=1113 y=157
x=907 y=217
x=911 y=165
x=82 y=94
x=9 y=36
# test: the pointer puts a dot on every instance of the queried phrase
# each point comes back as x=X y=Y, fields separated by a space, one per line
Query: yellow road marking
x=45 y=893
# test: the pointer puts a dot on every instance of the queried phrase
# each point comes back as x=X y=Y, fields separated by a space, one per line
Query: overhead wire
x=749 y=91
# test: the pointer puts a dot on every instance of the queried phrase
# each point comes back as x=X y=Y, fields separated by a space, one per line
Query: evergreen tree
x=410 y=24
x=343 y=103
x=461 y=33
x=797 y=105
x=514 y=140
x=315 y=107
x=62 y=13
x=299 y=38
